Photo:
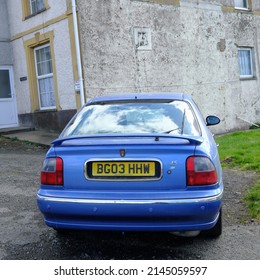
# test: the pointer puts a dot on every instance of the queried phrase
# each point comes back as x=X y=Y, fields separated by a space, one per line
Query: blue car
x=135 y=162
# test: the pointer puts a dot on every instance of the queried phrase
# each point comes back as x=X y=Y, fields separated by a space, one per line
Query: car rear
x=132 y=172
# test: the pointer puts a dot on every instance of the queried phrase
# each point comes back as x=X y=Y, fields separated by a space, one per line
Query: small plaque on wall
x=77 y=86
x=142 y=38
x=23 y=79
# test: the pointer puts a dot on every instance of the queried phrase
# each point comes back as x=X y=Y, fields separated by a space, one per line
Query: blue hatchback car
x=135 y=162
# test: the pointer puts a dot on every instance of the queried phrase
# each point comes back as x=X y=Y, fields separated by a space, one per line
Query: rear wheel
x=61 y=232
x=217 y=229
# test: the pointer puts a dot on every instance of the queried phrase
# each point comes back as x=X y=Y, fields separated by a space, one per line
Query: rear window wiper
x=169 y=131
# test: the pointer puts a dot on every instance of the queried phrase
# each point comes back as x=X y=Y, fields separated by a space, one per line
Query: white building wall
x=22 y=31
x=20 y=70
x=64 y=71
x=5 y=46
x=57 y=8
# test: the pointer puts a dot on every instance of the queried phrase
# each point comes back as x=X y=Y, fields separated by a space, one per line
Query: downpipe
x=78 y=54
x=254 y=124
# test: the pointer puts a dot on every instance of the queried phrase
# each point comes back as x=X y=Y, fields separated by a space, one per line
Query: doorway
x=8 y=106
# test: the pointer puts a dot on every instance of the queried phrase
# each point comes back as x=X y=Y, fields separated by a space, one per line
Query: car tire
x=216 y=231
x=61 y=232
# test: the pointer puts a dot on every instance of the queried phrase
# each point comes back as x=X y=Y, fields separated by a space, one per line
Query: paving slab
x=37 y=136
x=16 y=129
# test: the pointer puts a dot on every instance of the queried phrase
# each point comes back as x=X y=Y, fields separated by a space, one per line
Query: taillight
x=200 y=171
x=52 y=172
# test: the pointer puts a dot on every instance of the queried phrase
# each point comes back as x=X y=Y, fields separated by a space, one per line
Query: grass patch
x=242 y=150
x=252 y=199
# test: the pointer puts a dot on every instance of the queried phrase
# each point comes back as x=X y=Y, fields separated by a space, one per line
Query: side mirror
x=212 y=120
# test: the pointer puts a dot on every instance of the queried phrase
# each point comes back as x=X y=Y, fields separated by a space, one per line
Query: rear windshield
x=172 y=117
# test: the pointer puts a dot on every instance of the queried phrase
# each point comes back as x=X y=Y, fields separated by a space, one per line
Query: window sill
x=46 y=110
x=243 y=10
x=247 y=78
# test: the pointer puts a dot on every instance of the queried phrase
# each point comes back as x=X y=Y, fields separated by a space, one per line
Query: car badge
x=173 y=164
x=122 y=152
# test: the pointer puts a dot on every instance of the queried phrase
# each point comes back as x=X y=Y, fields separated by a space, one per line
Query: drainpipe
x=78 y=54
x=254 y=124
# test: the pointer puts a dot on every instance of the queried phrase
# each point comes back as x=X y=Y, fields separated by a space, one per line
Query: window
x=36 y=6
x=5 y=88
x=245 y=56
x=241 y=4
x=33 y=7
x=171 y=117
x=44 y=75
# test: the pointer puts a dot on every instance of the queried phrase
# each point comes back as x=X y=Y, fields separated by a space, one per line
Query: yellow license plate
x=123 y=169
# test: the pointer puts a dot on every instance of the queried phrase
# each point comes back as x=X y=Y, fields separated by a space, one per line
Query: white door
x=8 y=108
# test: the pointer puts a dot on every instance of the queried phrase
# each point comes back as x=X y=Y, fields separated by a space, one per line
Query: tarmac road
x=24 y=235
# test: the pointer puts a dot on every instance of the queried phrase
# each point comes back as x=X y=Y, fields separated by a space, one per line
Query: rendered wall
x=54 y=19
x=193 y=49
x=5 y=46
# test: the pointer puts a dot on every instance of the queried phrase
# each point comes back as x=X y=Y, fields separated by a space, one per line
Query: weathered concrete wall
x=193 y=49
x=5 y=46
x=204 y=70
x=111 y=61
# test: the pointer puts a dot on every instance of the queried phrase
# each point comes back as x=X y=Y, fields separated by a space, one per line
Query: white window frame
x=242 y=8
x=251 y=63
x=31 y=9
x=50 y=75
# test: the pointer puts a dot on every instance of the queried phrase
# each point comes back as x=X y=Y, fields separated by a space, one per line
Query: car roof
x=140 y=96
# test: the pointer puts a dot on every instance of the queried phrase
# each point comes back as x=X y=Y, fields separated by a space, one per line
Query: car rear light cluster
x=200 y=171
x=52 y=172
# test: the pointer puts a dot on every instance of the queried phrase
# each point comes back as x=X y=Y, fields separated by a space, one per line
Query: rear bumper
x=131 y=215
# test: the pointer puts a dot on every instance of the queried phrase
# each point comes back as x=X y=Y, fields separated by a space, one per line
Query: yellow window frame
x=26 y=8
x=30 y=45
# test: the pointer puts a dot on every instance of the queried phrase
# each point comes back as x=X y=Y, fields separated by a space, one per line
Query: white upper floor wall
x=53 y=26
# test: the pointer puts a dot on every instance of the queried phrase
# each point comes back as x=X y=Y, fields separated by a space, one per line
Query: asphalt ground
x=24 y=236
